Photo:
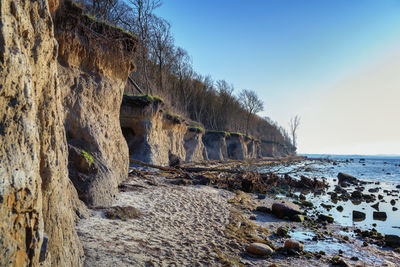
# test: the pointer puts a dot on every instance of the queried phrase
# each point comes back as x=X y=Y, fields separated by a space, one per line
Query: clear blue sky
x=296 y=54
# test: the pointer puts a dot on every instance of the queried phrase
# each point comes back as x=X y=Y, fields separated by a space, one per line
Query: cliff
x=158 y=137
x=94 y=60
x=215 y=144
x=36 y=197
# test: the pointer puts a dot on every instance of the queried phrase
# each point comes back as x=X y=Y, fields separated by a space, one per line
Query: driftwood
x=153 y=166
x=178 y=169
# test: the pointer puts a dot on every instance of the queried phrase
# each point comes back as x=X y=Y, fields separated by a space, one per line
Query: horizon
x=334 y=63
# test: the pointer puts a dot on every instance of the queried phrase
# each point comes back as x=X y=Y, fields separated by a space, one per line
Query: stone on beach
x=259 y=249
x=392 y=240
x=346 y=178
x=358 y=215
x=380 y=215
x=325 y=218
x=293 y=244
x=282 y=210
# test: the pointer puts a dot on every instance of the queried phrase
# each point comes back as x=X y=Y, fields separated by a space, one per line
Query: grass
x=175 y=116
x=196 y=129
x=87 y=156
x=236 y=133
x=218 y=132
x=146 y=97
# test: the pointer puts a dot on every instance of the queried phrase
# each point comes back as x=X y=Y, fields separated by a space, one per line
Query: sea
x=383 y=173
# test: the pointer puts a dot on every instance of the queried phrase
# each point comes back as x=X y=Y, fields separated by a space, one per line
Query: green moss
x=236 y=133
x=87 y=156
x=196 y=129
x=147 y=97
x=175 y=116
x=218 y=132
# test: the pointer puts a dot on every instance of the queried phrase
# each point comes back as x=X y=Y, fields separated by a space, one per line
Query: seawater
x=382 y=169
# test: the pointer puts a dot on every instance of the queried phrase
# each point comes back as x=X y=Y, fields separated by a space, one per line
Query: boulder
x=376 y=206
x=346 y=178
x=298 y=218
x=358 y=215
x=380 y=215
x=356 y=194
x=294 y=245
x=392 y=241
x=259 y=249
x=282 y=210
x=282 y=231
x=325 y=218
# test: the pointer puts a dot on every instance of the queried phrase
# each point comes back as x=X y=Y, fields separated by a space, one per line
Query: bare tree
x=140 y=25
x=294 y=125
x=251 y=103
x=162 y=46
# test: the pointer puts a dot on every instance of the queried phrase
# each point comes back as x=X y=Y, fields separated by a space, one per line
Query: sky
x=335 y=63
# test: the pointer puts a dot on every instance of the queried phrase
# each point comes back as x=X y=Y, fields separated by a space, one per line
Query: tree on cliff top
x=251 y=103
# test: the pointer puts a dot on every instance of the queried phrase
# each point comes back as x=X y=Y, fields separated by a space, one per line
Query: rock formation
x=94 y=63
x=36 y=213
x=215 y=144
x=195 y=149
x=153 y=136
x=236 y=146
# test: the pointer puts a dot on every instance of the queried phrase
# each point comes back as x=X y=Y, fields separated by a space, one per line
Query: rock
x=307 y=204
x=282 y=210
x=294 y=245
x=381 y=216
x=393 y=202
x=338 y=261
x=259 y=249
x=394 y=208
x=343 y=177
x=358 y=216
x=282 y=231
x=356 y=194
x=298 y=218
x=325 y=218
x=261 y=196
x=373 y=190
x=253 y=218
x=380 y=197
x=354 y=258
x=302 y=197
x=263 y=209
x=398 y=186
x=339 y=208
x=376 y=206
x=392 y=240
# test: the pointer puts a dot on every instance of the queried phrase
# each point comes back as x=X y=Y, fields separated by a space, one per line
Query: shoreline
x=169 y=201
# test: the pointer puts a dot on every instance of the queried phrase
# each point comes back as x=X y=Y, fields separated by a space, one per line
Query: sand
x=183 y=226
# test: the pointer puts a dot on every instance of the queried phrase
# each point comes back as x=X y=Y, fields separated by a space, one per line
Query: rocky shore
x=212 y=218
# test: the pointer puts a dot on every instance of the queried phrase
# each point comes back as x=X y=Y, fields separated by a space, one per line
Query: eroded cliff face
x=94 y=63
x=215 y=145
x=153 y=136
x=236 y=147
x=35 y=194
x=195 y=149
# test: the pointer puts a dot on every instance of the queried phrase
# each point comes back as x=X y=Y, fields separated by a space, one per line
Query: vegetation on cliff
x=165 y=69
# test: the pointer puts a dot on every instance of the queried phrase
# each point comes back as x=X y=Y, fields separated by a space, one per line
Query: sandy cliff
x=94 y=62
x=35 y=192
